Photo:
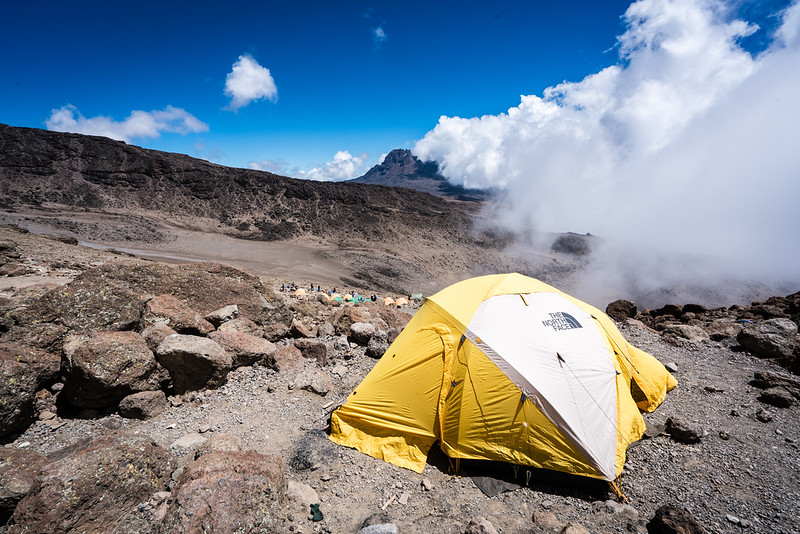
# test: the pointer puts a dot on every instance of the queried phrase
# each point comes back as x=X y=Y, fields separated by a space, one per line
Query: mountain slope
x=387 y=237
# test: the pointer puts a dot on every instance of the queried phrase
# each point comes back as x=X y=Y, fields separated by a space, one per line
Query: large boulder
x=679 y=334
x=620 y=310
x=245 y=349
x=94 y=487
x=288 y=358
x=18 y=468
x=361 y=333
x=103 y=368
x=228 y=492
x=345 y=317
x=223 y=315
x=312 y=349
x=87 y=304
x=23 y=371
x=194 y=362
x=243 y=325
x=670 y=519
x=773 y=338
x=143 y=405
x=177 y=315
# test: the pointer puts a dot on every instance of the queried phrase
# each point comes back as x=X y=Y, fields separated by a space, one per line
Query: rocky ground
x=719 y=447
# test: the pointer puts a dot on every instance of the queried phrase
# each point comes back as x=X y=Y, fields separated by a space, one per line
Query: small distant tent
x=299 y=292
x=402 y=301
x=388 y=301
x=505 y=368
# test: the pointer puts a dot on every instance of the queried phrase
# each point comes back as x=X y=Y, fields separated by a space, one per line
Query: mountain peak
x=401 y=168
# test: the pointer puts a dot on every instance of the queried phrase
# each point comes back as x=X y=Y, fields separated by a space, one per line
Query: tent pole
x=617 y=491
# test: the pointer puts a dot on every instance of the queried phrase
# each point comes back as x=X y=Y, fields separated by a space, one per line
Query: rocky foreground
x=144 y=397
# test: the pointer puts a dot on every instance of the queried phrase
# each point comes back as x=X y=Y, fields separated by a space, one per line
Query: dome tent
x=507 y=368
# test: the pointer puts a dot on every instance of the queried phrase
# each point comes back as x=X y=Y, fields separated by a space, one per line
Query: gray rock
x=143 y=405
x=382 y=528
x=245 y=349
x=155 y=334
x=225 y=442
x=314 y=380
x=677 y=334
x=243 y=325
x=105 y=367
x=773 y=338
x=378 y=344
x=313 y=349
x=670 y=519
x=777 y=396
x=23 y=371
x=361 y=333
x=223 y=315
x=176 y=314
x=683 y=431
x=194 y=362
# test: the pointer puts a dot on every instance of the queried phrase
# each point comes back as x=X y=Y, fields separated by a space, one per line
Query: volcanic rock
x=103 y=368
x=228 y=492
x=93 y=487
x=155 y=334
x=143 y=405
x=670 y=519
x=677 y=334
x=177 y=315
x=18 y=468
x=193 y=362
x=361 y=333
x=313 y=349
x=683 y=431
x=773 y=338
x=620 y=310
x=223 y=315
x=777 y=397
x=288 y=358
x=243 y=325
x=245 y=349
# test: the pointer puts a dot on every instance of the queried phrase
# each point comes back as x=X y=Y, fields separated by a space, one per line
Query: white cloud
x=683 y=145
x=139 y=124
x=378 y=34
x=343 y=167
x=274 y=166
x=247 y=82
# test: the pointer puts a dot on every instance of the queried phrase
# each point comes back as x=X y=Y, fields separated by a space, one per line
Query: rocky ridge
x=246 y=440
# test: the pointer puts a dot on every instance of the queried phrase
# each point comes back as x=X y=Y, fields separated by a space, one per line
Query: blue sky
x=362 y=77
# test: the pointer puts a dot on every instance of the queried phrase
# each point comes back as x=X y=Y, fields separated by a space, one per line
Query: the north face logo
x=562 y=321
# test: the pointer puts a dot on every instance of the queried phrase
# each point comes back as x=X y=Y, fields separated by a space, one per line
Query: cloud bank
x=247 y=82
x=344 y=166
x=686 y=146
x=139 y=124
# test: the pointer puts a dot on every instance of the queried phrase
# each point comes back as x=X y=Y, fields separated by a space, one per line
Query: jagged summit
x=400 y=168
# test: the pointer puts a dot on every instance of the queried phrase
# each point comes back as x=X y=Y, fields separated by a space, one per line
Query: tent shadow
x=494 y=478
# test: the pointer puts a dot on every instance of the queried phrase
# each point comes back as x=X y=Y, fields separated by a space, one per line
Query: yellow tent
x=299 y=292
x=402 y=301
x=507 y=368
x=388 y=301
